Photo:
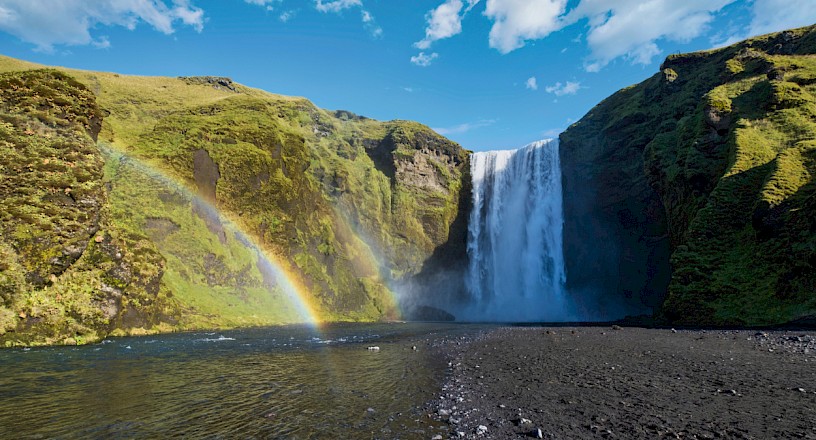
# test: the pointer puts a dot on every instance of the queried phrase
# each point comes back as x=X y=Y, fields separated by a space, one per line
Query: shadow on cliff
x=438 y=289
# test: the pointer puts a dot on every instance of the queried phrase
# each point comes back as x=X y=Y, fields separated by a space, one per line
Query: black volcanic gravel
x=629 y=383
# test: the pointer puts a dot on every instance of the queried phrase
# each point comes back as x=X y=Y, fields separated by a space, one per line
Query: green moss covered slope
x=135 y=204
x=702 y=179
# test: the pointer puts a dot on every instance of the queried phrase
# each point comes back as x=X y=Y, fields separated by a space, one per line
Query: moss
x=328 y=194
x=733 y=173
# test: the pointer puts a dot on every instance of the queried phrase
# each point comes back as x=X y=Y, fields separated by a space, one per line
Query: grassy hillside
x=195 y=180
x=713 y=164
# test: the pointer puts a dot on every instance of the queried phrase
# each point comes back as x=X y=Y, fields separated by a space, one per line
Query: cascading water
x=515 y=245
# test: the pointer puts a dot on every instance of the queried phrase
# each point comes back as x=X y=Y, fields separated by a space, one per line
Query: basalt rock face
x=135 y=204
x=691 y=193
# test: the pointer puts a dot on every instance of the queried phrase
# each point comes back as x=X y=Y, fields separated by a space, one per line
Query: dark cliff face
x=688 y=193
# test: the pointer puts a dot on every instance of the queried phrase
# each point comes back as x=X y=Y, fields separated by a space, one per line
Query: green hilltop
x=109 y=184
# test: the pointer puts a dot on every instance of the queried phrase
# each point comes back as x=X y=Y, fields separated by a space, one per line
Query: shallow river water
x=281 y=382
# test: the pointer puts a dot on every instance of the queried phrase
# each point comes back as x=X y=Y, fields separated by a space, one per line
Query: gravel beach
x=630 y=383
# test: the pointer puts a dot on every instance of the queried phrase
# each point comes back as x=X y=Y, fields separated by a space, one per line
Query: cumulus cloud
x=47 y=23
x=464 y=128
x=424 y=60
x=776 y=15
x=559 y=89
x=531 y=83
x=444 y=21
x=268 y=4
x=773 y=16
x=338 y=6
x=516 y=21
x=630 y=29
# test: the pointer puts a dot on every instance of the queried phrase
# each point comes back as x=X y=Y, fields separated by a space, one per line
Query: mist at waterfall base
x=515 y=269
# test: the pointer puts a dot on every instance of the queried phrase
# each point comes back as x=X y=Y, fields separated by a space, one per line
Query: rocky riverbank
x=613 y=382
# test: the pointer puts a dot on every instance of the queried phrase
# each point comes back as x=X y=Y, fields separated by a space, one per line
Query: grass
x=725 y=141
x=316 y=189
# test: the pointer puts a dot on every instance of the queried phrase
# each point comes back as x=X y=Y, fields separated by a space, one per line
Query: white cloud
x=632 y=28
x=776 y=15
x=285 y=16
x=464 y=128
x=616 y=28
x=516 y=21
x=424 y=60
x=268 y=4
x=559 y=89
x=444 y=21
x=46 y=23
x=531 y=83
x=336 y=5
x=769 y=16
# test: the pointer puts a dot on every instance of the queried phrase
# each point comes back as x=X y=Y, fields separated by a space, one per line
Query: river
x=291 y=382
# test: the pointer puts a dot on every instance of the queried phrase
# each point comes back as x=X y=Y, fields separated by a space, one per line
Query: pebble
x=481 y=430
x=374 y=348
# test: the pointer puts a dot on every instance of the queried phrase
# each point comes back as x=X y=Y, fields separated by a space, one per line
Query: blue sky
x=489 y=74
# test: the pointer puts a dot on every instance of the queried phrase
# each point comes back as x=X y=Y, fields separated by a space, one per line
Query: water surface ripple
x=283 y=382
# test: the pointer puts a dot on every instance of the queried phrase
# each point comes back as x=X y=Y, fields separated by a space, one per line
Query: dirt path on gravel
x=630 y=383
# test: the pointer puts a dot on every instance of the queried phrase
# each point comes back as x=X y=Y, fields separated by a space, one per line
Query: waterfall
x=515 y=247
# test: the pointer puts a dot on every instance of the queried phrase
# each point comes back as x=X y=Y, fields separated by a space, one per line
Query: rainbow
x=372 y=260
x=288 y=280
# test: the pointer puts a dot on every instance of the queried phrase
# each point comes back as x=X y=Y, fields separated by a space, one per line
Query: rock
x=674 y=331
x=370 y=410
x=481 y=430
x=460 y=434
x=437 y=437
x=443 y=413
x=536 y=433
x=374 y=348
x=616 y=327
x=523 y=421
